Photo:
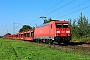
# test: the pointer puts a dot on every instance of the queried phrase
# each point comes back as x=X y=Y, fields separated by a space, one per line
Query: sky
x=16 y=13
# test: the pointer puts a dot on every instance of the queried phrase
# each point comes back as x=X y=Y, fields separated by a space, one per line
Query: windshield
x=65 y=25
x=61 y=25
x=58 y=25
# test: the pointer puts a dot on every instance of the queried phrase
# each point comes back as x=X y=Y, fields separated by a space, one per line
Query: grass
x=81 y=39
x=21 y=50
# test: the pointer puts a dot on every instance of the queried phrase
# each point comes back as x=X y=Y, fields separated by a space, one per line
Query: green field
x=21 y=50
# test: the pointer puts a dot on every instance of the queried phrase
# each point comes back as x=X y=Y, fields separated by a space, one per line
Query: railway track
x=71 y=46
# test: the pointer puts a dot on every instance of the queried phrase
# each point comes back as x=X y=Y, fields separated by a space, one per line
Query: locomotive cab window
x=51 y=26
x=58 y=25
x=65 y=25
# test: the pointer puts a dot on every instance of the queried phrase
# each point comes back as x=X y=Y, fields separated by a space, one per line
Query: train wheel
x=65 y=43
x=50 y=41
x=46 y=41
x=36 y=40
x=43 y=40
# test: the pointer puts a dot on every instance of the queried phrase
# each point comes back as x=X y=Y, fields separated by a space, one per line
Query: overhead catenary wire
x=52 y=6
x=74 y=11
x=56 y=9
x=69 y=9
x=14 y=26
x=74 y=7
x=47 y=10
x=60 y=7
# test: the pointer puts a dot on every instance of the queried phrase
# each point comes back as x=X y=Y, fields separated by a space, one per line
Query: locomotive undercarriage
x=57 y=40
x=64 y=40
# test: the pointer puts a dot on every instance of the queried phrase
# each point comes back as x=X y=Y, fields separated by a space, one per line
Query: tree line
x=80 y=27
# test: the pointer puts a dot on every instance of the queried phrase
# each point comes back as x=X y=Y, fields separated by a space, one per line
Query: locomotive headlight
x=67 y=31
x=58 y=31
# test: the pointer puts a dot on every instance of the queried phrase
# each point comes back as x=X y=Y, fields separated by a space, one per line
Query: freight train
x=54 y=31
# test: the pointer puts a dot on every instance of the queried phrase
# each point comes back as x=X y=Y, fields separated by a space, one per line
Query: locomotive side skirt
x=44 y=37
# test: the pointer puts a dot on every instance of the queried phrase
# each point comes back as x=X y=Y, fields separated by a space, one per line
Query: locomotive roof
x=42 y=25
x=61 y=21
x=56 y=21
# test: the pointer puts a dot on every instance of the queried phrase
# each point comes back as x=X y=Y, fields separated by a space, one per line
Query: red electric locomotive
x=55 y=31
